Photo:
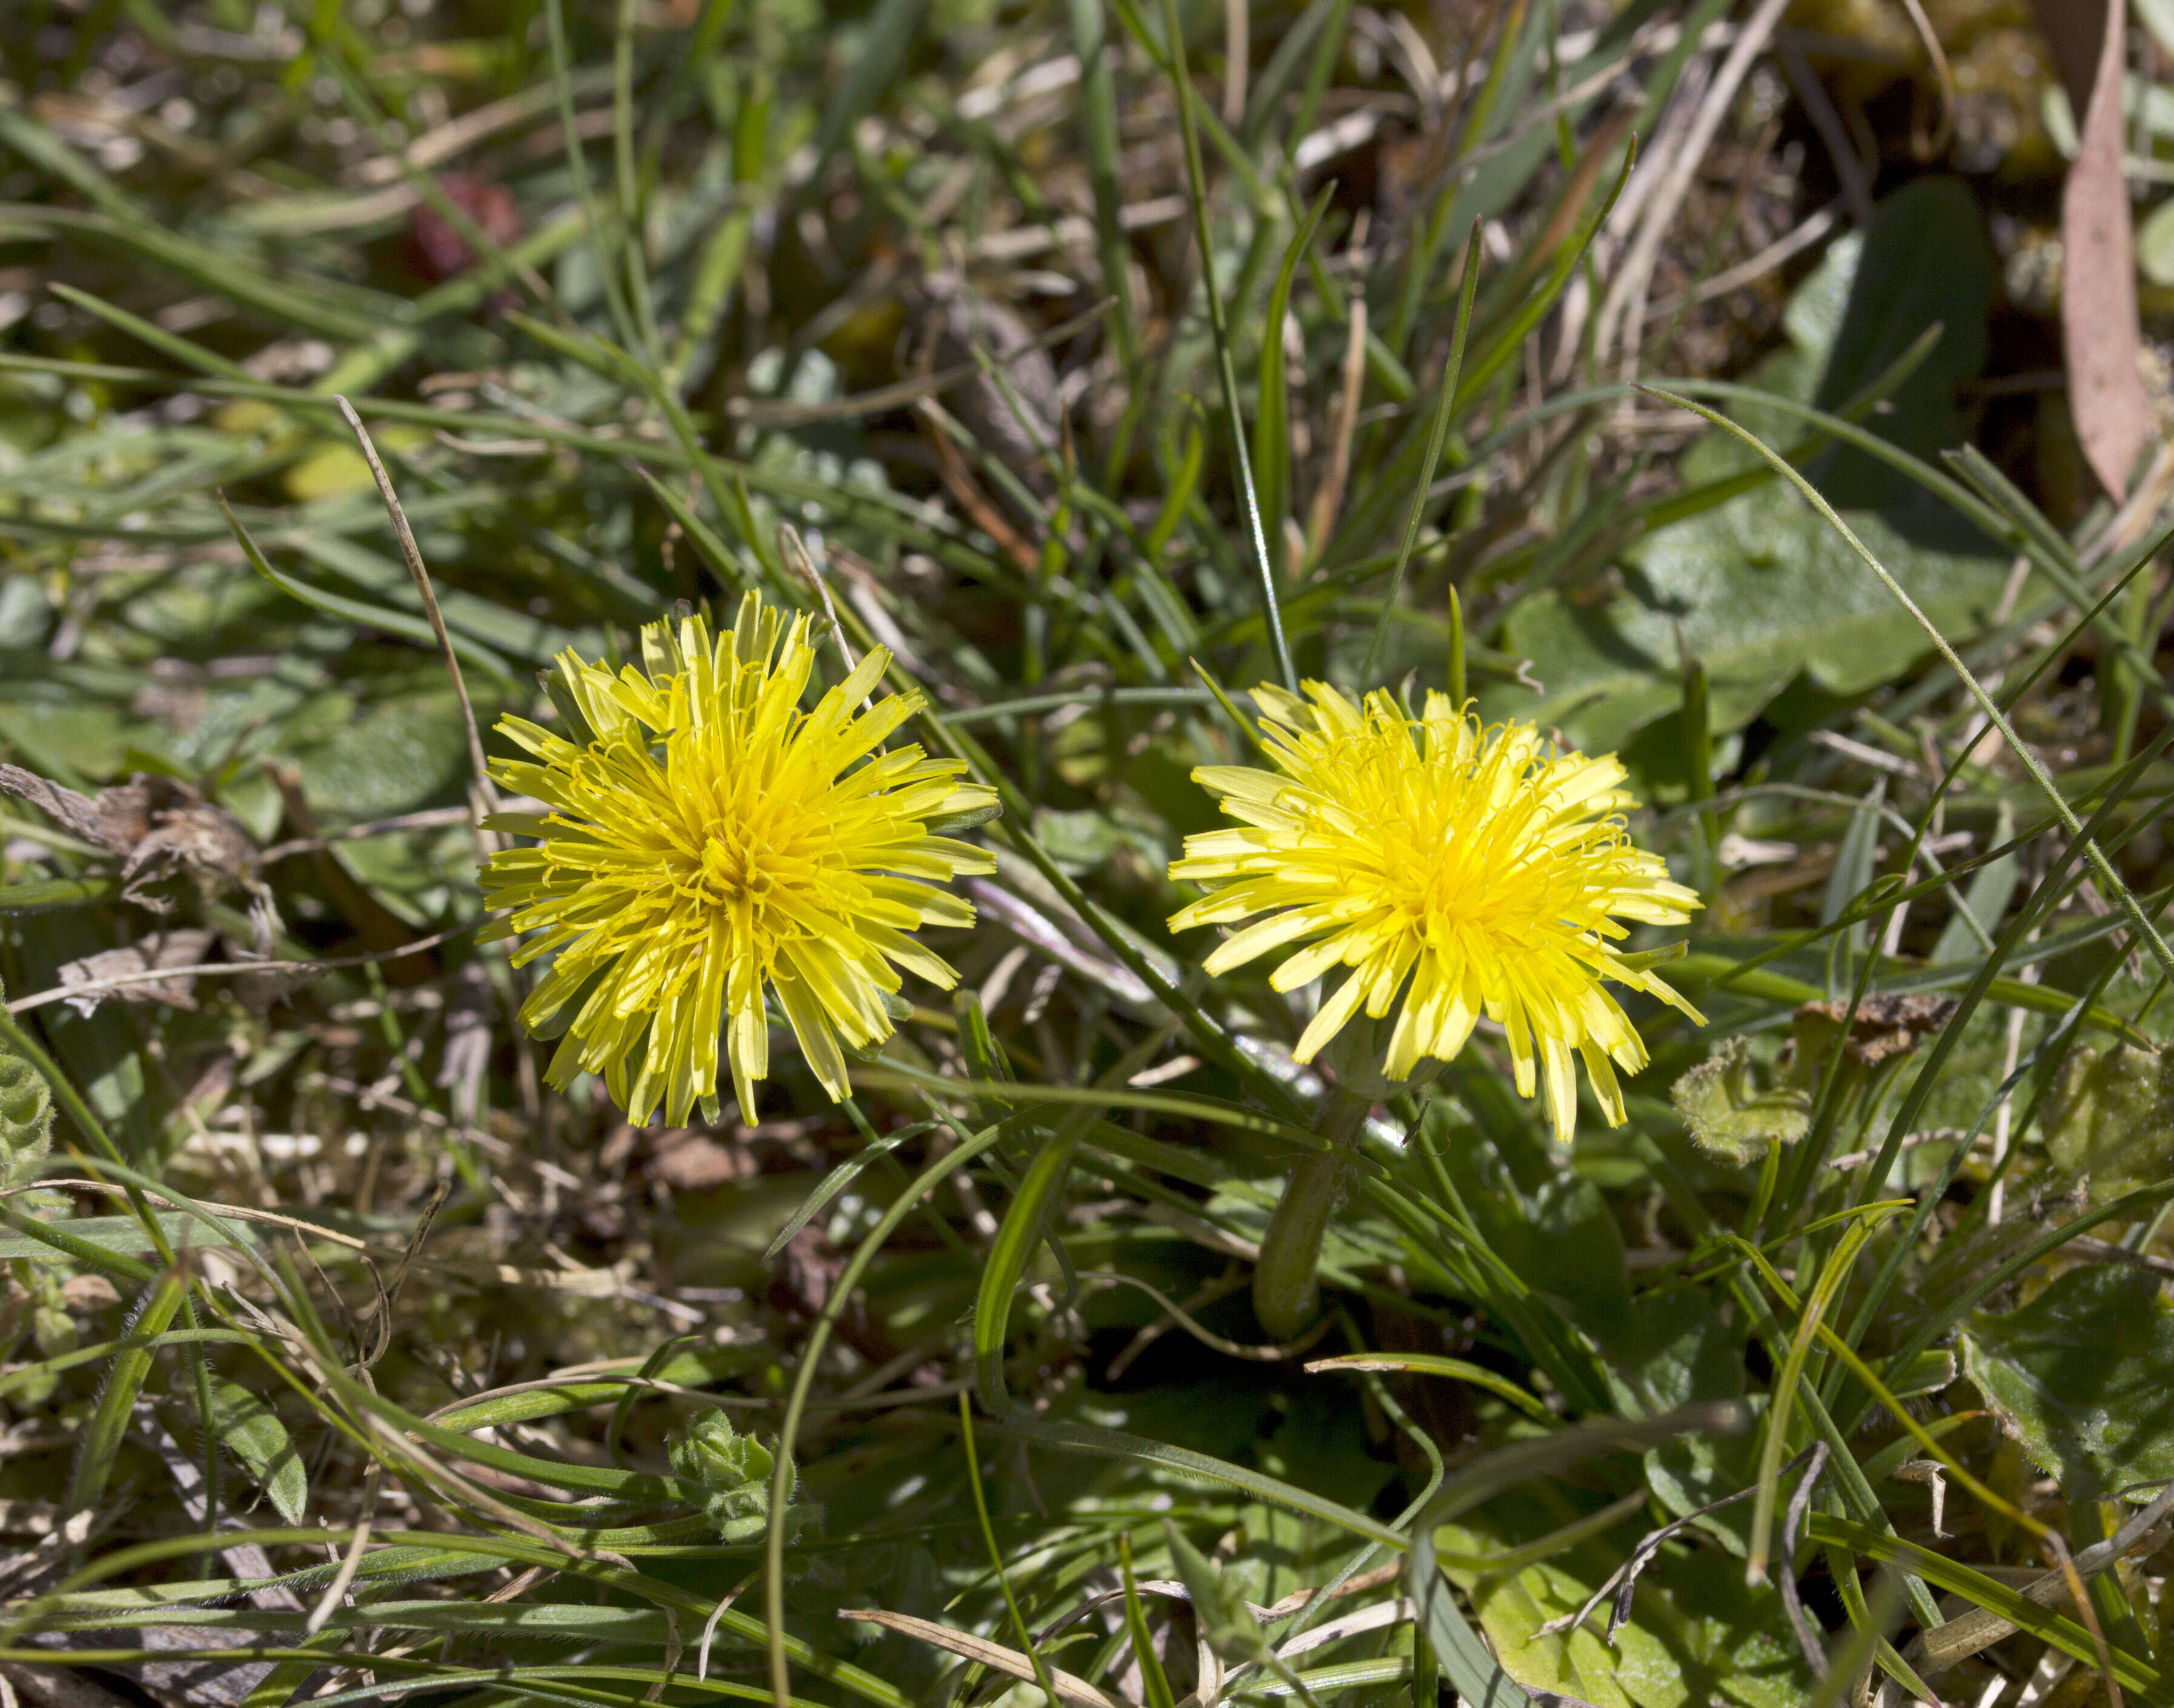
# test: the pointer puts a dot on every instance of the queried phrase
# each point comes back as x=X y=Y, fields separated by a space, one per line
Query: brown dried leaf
x=1885 y=1024
x=2098 y=330
x=171 y=948
x=1074 y=1692
x=195 y=838
x=157 y=825
x=76 y=813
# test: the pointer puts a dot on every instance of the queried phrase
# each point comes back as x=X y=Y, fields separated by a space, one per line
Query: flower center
x=733 y=872
x=1438 y=865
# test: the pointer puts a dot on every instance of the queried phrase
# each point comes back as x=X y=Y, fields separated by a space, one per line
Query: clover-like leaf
x=1731 y=1115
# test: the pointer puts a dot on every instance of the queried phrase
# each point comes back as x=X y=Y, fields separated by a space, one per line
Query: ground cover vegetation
x=1009 y=1284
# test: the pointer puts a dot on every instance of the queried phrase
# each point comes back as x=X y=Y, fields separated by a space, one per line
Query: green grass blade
x=1218 y=325
x=1271 y=405
x=1437 y=436
x=124 y=1381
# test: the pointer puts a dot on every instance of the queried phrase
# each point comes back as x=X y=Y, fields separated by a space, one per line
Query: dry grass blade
x=285 y=969
x=485 y=791
x=1075 y=1692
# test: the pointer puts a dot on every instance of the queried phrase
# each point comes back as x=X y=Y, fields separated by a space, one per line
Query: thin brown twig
x=1927 y=147
x=38 y=999
x=485 y=791
x=952 y=466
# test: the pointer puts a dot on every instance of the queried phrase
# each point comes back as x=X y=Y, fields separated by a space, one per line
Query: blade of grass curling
x=1116 y=1444
x=2044 y=898
x=1434 y=1363
x=1027 y=1221
x=1271 y=417
x=2101 y=869
x=1226 y=366
x=1437 y=436
x=1025 y=1637
x=1924 y=1439
x=1850 y=1476
x=796 y=1404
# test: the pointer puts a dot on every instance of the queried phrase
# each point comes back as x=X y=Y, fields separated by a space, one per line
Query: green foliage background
x=340 y=1360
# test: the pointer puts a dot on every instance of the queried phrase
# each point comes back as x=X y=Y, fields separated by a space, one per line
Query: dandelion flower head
x=1479 y=871
x=709 y=839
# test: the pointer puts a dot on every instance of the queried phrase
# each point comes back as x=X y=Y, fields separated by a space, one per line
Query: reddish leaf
x=2098 y=297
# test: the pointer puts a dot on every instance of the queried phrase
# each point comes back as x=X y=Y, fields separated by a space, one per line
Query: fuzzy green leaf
x=2083 y=1377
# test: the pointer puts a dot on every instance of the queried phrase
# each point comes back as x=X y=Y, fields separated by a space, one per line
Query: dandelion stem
x=1285 y=1289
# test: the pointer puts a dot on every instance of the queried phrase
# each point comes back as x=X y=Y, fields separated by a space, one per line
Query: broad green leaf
x=1696 y=1634
x=254 y=1435
x=1759 y=588
x=1684 y=1353
x=394 y=758
x=2083 y=1377
x=1695 y=1471
x=2110 y=1119
x=121 y=1235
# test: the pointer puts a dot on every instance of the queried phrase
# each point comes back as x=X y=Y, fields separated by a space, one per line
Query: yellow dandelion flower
x=709 y=839
x=1478 y=870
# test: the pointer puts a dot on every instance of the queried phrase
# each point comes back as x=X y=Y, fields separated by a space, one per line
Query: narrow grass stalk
x=1027 y=1646
x=1445 y=406
x=1225 y=362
